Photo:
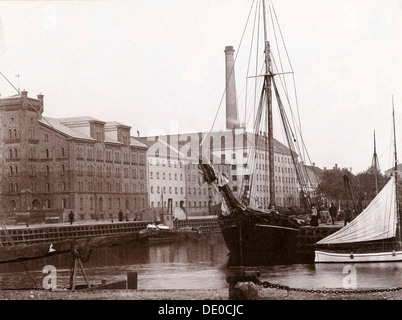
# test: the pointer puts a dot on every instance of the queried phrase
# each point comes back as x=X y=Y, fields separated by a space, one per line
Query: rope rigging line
x=258 y=114
x=252 y=155
x=248 y=64
x=9 y=82
x=290 y=142
x=304 y=149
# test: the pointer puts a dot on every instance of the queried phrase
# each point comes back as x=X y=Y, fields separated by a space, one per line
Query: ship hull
x=333 y=257
x=253 y=243
x=387 y=250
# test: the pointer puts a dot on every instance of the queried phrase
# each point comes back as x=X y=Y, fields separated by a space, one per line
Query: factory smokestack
x=232 y=119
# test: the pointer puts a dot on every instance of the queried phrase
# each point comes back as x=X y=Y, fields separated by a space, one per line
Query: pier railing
x=54 y=233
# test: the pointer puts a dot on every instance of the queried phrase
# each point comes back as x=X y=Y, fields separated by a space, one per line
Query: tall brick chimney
x=232 y=119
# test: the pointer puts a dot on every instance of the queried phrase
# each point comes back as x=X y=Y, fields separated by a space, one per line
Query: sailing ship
x=260 y=236
x=374 y=235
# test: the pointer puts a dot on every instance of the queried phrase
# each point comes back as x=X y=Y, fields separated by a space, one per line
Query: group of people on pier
x=329 y=216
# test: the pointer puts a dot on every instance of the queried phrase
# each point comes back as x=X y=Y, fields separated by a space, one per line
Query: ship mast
x=268 y=92
x=396 y=174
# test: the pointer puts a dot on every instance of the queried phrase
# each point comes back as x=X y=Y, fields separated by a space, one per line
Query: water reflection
x=195 y=264
x=336 y=275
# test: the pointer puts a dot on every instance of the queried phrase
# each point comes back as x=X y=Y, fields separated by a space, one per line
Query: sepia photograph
x=214 y=151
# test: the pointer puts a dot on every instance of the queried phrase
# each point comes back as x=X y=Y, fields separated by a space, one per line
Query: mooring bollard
x=132 y=278
x=242 y=283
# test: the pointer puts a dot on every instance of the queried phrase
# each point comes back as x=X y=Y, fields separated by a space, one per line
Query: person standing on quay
x=314 y=217
x=348 y=216
x=332 y=212
x=71 y=217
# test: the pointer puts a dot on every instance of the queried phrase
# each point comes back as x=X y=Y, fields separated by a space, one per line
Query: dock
x=205 y=224
x=309 y=235
x=53 y=232
x=48 y=233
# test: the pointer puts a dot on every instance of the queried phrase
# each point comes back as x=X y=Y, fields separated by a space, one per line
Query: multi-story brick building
x=91 y=167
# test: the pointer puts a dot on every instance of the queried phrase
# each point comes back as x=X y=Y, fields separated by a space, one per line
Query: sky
x=159 y=66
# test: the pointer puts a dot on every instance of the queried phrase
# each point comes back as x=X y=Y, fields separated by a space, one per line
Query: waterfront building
x=243 y=158
x=80 y=164
x=311 y=178
x=174 y=176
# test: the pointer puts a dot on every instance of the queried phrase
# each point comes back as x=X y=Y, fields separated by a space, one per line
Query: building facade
x=174 y=176
x=81 y=164
x=243 y=158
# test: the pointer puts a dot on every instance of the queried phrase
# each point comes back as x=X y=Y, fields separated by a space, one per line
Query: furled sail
x=376 y=222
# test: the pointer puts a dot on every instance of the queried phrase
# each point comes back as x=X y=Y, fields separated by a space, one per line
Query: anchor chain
x=267 y=284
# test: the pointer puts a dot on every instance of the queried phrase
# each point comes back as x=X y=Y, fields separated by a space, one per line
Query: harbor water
x=199 y=263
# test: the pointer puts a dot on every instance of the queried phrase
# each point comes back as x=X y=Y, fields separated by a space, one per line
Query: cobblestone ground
x=221 y=294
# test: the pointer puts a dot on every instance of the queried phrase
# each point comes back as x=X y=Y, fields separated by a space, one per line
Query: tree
x=367 y=184
x=332 y=185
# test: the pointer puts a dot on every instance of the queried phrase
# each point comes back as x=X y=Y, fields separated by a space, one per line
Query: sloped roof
x=58 y=125
x=137 y=143
x=314 y=174
x=67 y=126
x=115 y=124
x=81 y=121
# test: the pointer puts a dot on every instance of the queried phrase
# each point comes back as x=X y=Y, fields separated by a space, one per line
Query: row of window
x=109 y=155
x=137 y=203
x=48 y=169
x=151 y=176
x=163 y=163
x=36 y=204
x=135 y=173
x=13 y=153
x=263 y=188
x=13 y=187
x=46 y=153
x=176 y=190
x=111 y=187
x=121 y=204
x=191 y=204
x=91 y=186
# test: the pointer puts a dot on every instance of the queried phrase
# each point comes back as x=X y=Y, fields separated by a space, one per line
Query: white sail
x=376 y=222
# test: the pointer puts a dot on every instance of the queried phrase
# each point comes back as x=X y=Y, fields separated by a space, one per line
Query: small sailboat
x=374 y=235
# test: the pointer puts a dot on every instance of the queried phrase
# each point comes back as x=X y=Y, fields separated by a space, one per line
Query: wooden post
x=74 y=274
x=132 y=280
x=83 y=272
